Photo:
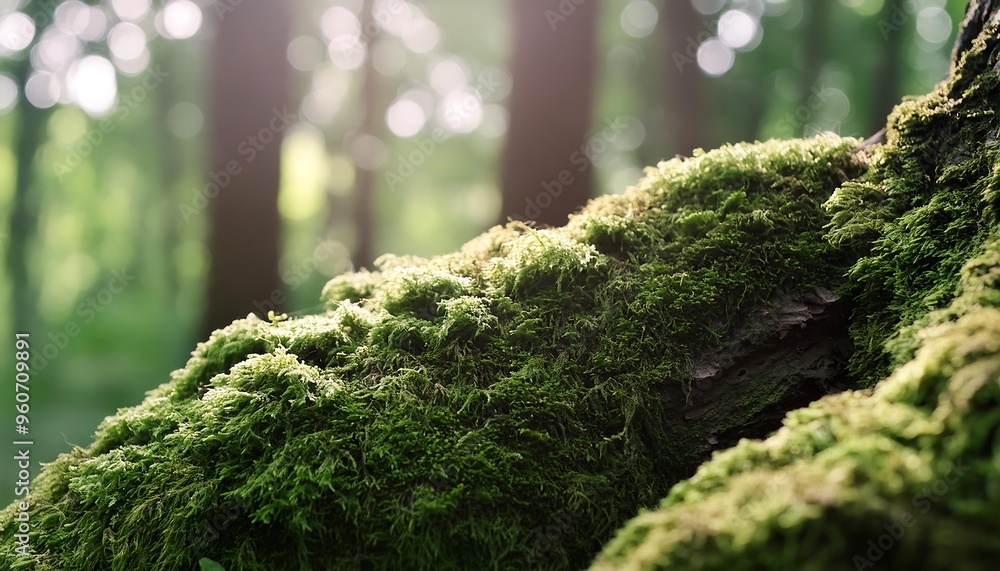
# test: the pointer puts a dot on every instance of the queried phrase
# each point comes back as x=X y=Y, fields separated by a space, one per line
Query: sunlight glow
x=42 y=89
x=303 y=173
x=639 y=18
x=330 y=87
x=127 y=41
x=56 y=50
x=181 y=19
x=16 y=31
x=130 y=10
x=338 y=21
x=708 y=7
x=448 y=75
x=421 y=36
x=97 y=25
x=715 y=58
x=395 y=16
x=347 y=52
x=737 y=28
x=73 y=17
x=934 y=25
x=405 y=118
x=461 y=111
x=304 y=53
x=92 y=85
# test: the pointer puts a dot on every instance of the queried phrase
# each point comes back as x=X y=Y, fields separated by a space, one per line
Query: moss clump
x=926 y=206
x=906 y=476
x=902 y=478
x=504 y=407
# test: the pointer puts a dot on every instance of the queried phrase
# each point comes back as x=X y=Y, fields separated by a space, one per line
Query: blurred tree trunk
x=23 y=222
x=813 y=57
x=688 y=114
x=888 y=88
x=545 y=173
x=249 y=96
x=364 y=183
x=171 y=170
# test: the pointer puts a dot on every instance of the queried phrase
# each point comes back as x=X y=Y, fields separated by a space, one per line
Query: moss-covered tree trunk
x=904 y=476
x=513 y=404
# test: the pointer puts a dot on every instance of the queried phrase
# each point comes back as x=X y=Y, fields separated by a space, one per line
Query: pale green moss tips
x=503 y=407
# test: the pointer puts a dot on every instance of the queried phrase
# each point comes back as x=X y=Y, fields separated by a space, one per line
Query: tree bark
x=814 y=55
x=364 y=185
x=688 y=87
x=249 y=99
x=977 y=15
x=23 y=221
x=887 y=80
x=546 y=174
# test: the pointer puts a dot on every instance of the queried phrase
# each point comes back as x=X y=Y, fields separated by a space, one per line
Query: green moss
x=924 y=208
x=902 y=478
x=502 y=407
x=905 y=475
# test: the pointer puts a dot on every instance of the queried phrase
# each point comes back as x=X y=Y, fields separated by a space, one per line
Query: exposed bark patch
x=779 y=359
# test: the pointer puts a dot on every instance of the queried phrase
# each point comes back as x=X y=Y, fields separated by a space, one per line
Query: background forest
x=167 y=167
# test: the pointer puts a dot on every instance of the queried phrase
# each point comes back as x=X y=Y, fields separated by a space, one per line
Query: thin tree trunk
x=688 y=113
x=814 y=56
x=249 y=111
x=888 y=90
x=977 y=15
x=171 y=171
x=546 y=173
x=24 y=211
x=364 y=184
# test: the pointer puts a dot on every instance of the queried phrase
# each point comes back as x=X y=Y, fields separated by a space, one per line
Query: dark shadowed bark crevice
x=779 y=358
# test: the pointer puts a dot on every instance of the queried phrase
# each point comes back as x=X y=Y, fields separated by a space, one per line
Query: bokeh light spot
x=715 y=58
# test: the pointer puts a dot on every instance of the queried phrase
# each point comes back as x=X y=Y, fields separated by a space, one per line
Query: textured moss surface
x=906 y=476
x=926 y=206
x=505 y=407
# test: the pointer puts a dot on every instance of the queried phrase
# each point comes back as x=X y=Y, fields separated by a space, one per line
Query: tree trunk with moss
x=512 y=405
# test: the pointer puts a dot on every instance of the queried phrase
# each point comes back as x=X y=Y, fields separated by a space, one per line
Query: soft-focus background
x=168 y=166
